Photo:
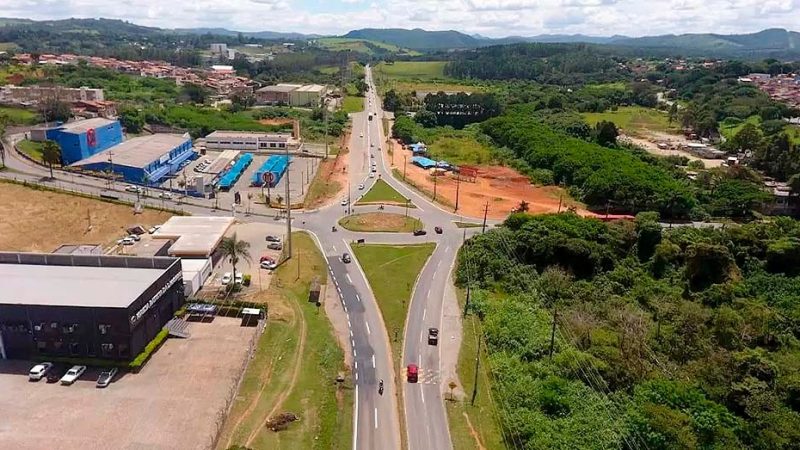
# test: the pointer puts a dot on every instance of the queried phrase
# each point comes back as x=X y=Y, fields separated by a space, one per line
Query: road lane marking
x=424 y=312
x=349 y=280
x=358 y=297
x=354 y=351
x=428 y=295
x=351 y=333
x=339 y=290
x=367 y=327
x=356 y=376
x=356 y=364
x=447 y=250
x=373 y=362
x=355 y=420
x=348 y=323
x=422 y=395
x=376 y=417
x=334 y=248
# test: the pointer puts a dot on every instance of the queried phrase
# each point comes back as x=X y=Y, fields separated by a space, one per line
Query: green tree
x=606 y=133
x=51 y=154
x=747 y=139
x=672 y=115
x=426 y=118
x=194 y=93
x=235 y=250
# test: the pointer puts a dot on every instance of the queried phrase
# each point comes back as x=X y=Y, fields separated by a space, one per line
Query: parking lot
x=177 y=401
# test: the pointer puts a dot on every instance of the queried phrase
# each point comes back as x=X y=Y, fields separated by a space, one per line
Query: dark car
x=54 y=375
x=275 y=246
x=273 y=239
x=106 y=377
x=345 y=258
x=438 y=230
x=433 y=336
x=420 y=232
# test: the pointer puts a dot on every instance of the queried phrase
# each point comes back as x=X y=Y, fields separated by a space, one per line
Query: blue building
x=84 y=138
x=425 y=163
x=145 y=159
x=275 y=165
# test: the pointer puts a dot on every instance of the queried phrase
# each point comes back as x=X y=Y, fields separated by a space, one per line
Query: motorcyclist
x=380 y=387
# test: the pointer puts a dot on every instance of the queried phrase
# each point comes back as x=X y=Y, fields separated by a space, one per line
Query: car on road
x=344 y=202
x=438 y=230
x=372 y=144
x=106 y=377
x=165 y=195
x=55 y=373
x=374 y=169
x=268 y=264
x=153 y=229
x=372 y=174
x=371 y=155
x=273 y=239
x=433 y=336
x=239 y=278
x=361 y=187
x=126 y=241
x=132 y=188
x=266 y=258
x=275 y=246
x=412 y=373
x=226 y=278
x=346 y=258
x=361 y=135
x=72 y=375
x=135 y=237
x=420 y=232
x=38 y=371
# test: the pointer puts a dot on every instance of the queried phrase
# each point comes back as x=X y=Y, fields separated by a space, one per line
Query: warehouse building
x=252 y=141
x=194 y=236
x=145 y=159
x=291 y=94
x=309 y=95
x=275 y=95
x=85 y=306
x=82 y=139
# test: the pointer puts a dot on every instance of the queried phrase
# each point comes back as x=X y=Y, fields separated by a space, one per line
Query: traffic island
x=381 y=222
x=381 y=193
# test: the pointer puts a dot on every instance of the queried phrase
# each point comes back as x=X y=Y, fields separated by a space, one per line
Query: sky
x=492 y=18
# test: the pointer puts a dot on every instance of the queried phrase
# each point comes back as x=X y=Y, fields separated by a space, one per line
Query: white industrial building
x=251 y=141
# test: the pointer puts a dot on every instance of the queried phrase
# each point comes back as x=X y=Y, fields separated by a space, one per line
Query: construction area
x=502 y=188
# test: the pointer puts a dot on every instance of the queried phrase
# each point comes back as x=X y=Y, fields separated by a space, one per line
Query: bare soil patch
x=40 y=221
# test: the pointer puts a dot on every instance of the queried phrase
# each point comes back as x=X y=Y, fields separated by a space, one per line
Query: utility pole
x=466 y=304
x=405 y=161
x=553 y=331
x=325 y=116
x=485 y=213
x=407 y=202
x=560 y=199
x=349 y=209
x=288 y=207
x=458 y=184
x=435 y=178
x=477 y=365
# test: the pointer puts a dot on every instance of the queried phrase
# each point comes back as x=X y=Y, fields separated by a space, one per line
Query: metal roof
x=278 y=88
x=138 y=151
x=102 y=287
x=196 y=235
x=81 y=126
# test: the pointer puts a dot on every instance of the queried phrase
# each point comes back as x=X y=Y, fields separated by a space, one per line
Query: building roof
x=138 y=151
x=311 y=88
x=244 y=134
x=278 y=88
x=195 y=235
x=81 y=126
x=102 y=287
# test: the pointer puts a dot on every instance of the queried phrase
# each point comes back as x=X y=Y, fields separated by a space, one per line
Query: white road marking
x=354 y=351
x=422 y=395
x=356 y=376
x=351 y=333
x=376 y=417
x=344 y=305
x=348 y=279
x=349 y=325
x=424 y=312
x=356 y=364
x=358 y=297
x=447 y=250
x=373 y=361
x=334 y=248
x=367 y=327
x=355 y=420
x=339 y=290
x=428 y=295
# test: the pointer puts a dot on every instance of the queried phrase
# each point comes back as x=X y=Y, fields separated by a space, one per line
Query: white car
x=38 y=371
x=269 y=265
x=135 y=237
x=361 y=187
x=73 y=374
x=361 y=135
x=344 y=202
x=239 y=278
x=165 y=195
x=226 y=279
x=132 y=188
x=126 y=241
x=372 y=144
x=372 y=174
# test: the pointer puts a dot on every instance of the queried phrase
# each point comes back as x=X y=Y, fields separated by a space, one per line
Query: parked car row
x=66 y=375
x=202 y=166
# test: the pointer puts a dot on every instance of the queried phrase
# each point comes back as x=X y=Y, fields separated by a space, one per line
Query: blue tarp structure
x=425 y=163
x=233 y=174
x=419 y=147
x=276 y=165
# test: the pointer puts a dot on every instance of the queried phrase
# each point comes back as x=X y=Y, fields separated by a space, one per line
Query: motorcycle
x=380 y=387
x=333 y=229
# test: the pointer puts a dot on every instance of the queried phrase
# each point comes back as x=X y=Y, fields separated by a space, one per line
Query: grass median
x=353 y=104
x=382 y=193
x=392 y=272
x=380 y=222
x=294 y=368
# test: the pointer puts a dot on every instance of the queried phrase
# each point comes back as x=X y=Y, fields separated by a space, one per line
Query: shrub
x=151 y=347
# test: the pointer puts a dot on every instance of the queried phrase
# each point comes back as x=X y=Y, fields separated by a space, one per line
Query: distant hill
x=418 y=39
x=87 y=26
x=772 y=42
x=253 y=34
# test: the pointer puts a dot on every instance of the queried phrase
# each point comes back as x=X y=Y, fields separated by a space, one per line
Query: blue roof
x=276 y=164
x=235 y=172
x=425 y=163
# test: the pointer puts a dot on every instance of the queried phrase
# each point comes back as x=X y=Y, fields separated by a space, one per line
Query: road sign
x=268 y=178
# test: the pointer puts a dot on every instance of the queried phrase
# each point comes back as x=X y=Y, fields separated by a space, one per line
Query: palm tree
x=51 y=154
x=235 y=250
x=523 y=206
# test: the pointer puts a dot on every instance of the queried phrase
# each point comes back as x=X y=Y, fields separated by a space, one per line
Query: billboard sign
x=91 y=137
x=268 y=178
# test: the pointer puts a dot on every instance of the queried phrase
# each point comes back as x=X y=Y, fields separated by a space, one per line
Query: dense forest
x=664 y=338
x=565 y=64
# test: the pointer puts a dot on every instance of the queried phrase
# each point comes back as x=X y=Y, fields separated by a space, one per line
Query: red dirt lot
x=502 y=187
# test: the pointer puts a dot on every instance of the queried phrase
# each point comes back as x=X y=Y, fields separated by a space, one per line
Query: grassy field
x=392 y=271
x=729 y=128
x=19 y=116
x=634 y=119
x=473 y=426
x=31 y=148
x=71 y=216
x=468 y=225
x=414 y=70
x=382 y=192
x=353 y=104
x=460 y=148
x=380 y=222
x=355 y=45
x=293 y=369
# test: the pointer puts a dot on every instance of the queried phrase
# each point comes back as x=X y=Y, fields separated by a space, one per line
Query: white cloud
x=488 y=17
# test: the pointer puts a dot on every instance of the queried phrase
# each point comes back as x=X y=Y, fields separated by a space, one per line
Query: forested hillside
x=664 y=339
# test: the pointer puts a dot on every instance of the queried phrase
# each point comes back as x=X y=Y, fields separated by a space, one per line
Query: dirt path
x=474 y=433
x=295 y=372
x=265 y=378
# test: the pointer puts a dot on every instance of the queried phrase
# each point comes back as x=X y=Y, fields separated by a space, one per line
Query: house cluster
x=220 y=79
x=85 y=102
x=783 y=88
